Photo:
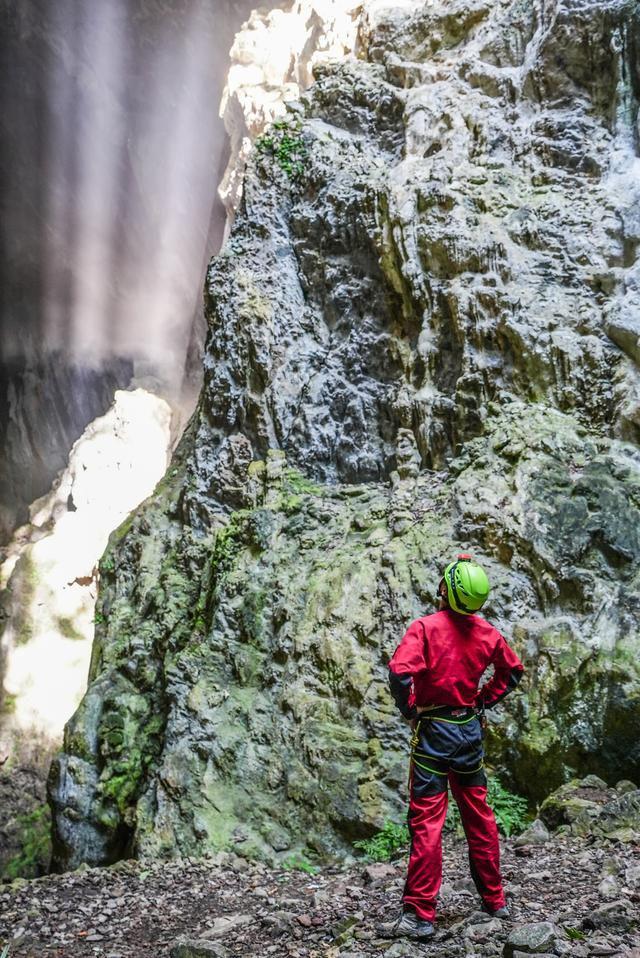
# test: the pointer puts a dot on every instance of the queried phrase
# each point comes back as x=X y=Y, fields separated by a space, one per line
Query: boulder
x=197 y=948
x=616 y=916
x=536 y=938
x=536 y=834
x=578 y=801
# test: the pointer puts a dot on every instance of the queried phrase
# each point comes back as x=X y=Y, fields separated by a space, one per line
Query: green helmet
x=467 y=585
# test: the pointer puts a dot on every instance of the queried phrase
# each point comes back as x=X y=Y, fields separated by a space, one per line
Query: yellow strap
x=426 y=767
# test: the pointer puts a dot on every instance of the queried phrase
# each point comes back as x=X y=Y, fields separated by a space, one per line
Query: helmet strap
x=442 y=592
x=452 y=584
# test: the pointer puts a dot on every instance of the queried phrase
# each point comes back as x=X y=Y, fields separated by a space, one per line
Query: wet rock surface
x=420 y=342
x=228 y=906
x=257 y=651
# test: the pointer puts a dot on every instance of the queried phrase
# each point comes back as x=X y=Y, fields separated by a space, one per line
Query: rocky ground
x=569 y=896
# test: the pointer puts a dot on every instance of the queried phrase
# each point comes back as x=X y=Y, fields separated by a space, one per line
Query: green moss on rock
x=34 y=839
x=240 y=676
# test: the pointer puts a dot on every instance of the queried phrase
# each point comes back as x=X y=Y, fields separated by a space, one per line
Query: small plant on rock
x=385 y=844
x=301 y=864
x=283 y=142
x=511 y=810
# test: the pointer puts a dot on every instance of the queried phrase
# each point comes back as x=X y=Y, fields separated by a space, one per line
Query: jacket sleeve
x=407 y=660
x=508 y=671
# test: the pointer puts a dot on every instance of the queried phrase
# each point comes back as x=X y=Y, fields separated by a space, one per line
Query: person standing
x=434 y=676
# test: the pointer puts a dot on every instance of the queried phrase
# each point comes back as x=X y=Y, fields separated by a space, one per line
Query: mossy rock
x=258 y=652
x=580 y=800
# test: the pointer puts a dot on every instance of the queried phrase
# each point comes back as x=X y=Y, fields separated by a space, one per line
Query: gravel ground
x=591 y=892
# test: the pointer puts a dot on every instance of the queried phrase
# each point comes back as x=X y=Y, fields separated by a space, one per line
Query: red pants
x=426 y=818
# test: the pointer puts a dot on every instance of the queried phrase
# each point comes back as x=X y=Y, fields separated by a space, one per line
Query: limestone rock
x=589 y=807
x=272 y=59
x=624 y=785
x=632 y=876
x=483 y=931
x=614 y=916
x=533 y=939
x=608 y=888
x=536 y=834
x=197 y=948
x=578 y=801
x=226 y=924
x=439 y=261
x=379 y=871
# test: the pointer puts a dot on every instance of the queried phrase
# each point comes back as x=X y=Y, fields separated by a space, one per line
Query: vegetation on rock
x=418 y=327
x=34 y=831
x=284 y=142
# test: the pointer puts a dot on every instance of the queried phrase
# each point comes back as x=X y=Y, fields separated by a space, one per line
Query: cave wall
x=422 y=338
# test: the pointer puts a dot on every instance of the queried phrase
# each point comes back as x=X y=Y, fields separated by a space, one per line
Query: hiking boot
x=502 y=912
x=408 y=925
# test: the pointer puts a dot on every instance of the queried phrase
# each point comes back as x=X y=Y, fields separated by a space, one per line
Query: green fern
x=299 y=863
x=511 y=810
x=386 y=843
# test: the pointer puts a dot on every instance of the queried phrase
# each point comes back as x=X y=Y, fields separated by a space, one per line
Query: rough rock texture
x=430 y=312
x=272 y=58
x=588 y=807
x=48 y=586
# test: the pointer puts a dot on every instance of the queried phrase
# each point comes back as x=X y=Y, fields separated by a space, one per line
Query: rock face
x=48 y=584
x=420 y=340
x=272 y=59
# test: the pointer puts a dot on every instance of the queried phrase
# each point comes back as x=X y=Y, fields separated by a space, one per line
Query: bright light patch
x=51 y=564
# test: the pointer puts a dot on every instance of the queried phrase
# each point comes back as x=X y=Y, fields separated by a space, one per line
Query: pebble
x=608 y=887
x=287 y=914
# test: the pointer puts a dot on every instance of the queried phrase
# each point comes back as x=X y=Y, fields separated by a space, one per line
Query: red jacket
x=441 y=658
